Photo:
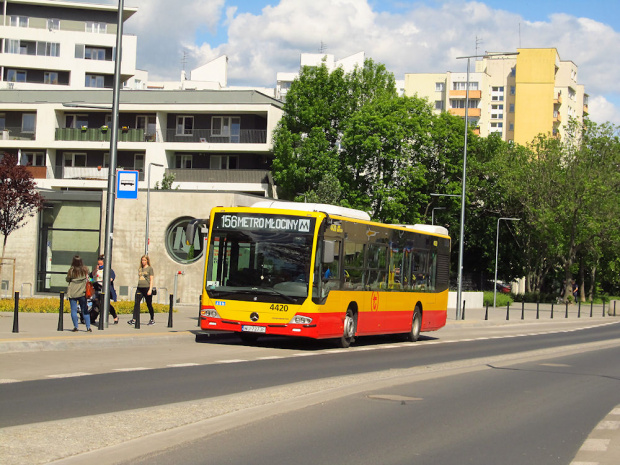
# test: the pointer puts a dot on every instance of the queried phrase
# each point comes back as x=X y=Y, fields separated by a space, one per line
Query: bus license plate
x=253 y=329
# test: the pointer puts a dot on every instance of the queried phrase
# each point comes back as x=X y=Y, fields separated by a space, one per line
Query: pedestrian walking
x=97 y=276
x=77 y=276
x=144 y=290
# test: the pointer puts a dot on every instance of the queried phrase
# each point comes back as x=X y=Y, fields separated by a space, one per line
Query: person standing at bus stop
x=97 y=276
x=144 y=290
x=76 y=291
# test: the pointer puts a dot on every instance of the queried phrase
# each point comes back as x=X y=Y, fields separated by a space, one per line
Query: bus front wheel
x=416 y=325
x=348 y=332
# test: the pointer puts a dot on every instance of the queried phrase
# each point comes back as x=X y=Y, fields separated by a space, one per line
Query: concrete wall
x=472 y=300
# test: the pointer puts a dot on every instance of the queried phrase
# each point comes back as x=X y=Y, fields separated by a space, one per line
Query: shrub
x=51 y=305
x=501 y=299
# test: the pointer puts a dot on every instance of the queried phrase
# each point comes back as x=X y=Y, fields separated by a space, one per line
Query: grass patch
x=501 y=299
x=51 y=305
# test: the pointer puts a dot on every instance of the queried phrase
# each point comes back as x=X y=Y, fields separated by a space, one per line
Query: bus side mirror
x=328 y=251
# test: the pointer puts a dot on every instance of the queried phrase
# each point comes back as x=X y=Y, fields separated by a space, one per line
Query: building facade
x=214 y=146
x=518 y=96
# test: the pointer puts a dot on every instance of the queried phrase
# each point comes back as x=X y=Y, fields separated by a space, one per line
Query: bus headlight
x=300 y=320
x=209 y=312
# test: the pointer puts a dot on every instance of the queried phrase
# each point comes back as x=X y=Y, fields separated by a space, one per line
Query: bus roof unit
x=314 y=207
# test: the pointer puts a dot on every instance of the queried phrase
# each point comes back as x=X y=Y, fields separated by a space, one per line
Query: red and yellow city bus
x=321 y=271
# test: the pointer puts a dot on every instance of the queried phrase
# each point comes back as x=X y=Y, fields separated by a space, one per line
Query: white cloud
x=602 y=110
x=418 y=39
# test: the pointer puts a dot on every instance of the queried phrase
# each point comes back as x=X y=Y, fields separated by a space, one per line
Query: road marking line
x=608 y=424
x=303 y=354
x=8 y=381
x=132 y=369
x=272 y=357
x=69 y=375
x=237 y=360
x=180 y=365
x=595 y=445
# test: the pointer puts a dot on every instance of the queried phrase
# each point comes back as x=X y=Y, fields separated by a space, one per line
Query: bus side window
x=331 y=271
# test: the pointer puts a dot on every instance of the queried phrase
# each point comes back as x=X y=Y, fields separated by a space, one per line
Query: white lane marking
x=303 y=354
x=180 y=365
x=608 y=425
x=599 y=445
x=234 y=360
x=69 y=375
x=132 y=369
x=9 y=381
x=272 y=357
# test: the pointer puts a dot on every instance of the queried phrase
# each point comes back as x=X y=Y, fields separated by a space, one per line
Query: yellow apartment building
x=518 y=96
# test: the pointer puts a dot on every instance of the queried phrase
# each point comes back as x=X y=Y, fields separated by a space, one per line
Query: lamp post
x=433 y=213
x=497 y=256
x=464 y=183
x=148 y=202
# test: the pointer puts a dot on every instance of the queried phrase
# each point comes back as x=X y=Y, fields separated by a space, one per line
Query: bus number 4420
x=279 y=308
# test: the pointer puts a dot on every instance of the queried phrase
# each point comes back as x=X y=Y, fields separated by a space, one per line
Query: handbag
x=90 y=290
x=154 y=291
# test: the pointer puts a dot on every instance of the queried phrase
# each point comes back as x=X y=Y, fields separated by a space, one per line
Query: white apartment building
x=57 y=62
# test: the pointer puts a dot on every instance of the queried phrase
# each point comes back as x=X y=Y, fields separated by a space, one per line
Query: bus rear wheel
x=348 y=332
x=416 y=325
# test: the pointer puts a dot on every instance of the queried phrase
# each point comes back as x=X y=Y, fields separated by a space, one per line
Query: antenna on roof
x=323 y=47
x=183 y=63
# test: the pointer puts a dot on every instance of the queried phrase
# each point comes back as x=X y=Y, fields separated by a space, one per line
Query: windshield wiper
x=272 y=291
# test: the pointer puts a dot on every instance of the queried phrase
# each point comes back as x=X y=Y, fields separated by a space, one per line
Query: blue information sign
x=126 y=184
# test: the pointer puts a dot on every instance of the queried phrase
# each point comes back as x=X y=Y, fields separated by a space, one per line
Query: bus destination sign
x=266 y=223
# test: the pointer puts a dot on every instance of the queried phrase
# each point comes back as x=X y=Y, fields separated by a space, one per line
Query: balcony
x=221 y=176
x=37 y=172
x=557 y=118
x=15 y=133
x=101 y=135
x=95 y=173
x=557 y=99
x=245 y=136
x=473 y=94
x=472 y=112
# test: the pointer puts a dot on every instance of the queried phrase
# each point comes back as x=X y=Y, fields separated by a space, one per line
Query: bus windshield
x=263 y=258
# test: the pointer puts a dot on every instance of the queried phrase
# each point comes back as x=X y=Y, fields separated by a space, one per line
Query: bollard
x=603 y=307
x=486 y=313
x=566 y=314
x=101 y=313
x=463 y=315
x=199 y=307
x=16 y=314
x=137 y=324
x=537 y=310
x=552 y=310
x=508 y=311
x=615 y=307
x=523 y=310
x=591 y=307
x=61 y=311
x=170 y=311
x=579 y=310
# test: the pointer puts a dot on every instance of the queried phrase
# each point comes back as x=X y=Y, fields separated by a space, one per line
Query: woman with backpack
x=77 y=276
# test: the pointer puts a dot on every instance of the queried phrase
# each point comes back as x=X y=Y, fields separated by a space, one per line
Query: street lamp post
x=462 y=234
x=433 y=213
x=148 y=202
x=497 y=256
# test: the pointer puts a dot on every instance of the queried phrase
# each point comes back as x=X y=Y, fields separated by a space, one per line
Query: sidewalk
x=39 y=331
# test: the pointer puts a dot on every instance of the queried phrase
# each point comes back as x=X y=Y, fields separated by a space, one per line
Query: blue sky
x=261 y=37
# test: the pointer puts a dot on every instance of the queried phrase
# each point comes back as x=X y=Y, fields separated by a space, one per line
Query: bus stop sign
x=127 y=184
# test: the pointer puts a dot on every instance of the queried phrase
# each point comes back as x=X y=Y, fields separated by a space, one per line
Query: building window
x=496 y=127
x=92 y=53
x=50 y=77
x=462 y=85
x=497 y=111
x=512 y=108
x=439 y=86
x=185 y=125
x=223 y=162
x=74 y=159
x=184 y=161
x=460 y=103
x=513 y=90
x=76 y=121
x=226 y=126
x=12 y=46
x=16 y=75
x=29 y=122
x=94 y=80
x=438 y=105
x=138 y=162
x=19 y=21
x=53 y=24
x=92 y=26
x=49 y=49
x=33 y=159
x=511 y=127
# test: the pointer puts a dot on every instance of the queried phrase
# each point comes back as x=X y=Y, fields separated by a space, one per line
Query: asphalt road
x=531 y=413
